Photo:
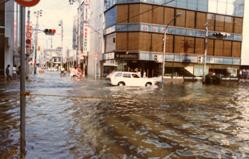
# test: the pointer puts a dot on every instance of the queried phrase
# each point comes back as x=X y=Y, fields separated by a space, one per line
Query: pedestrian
x=8 y=73
x=14 y=72
x=72 y=72
x=139 y=73
x=144 y=76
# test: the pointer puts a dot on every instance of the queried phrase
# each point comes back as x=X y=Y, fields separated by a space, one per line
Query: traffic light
x=198 y=59
x=49 y=31
x=155 y=57
x=39 y=48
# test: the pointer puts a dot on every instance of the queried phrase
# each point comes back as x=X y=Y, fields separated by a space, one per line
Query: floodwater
x=212 y=122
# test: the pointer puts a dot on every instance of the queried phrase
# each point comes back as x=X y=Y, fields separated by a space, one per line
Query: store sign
x=144 y=28
x=126 y=56
x=85 y=41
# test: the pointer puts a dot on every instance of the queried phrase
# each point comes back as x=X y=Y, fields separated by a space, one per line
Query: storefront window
x=111 y=17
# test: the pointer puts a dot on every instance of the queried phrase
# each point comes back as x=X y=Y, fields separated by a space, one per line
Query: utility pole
x=22 y=83
x=61 y=24
x=205 y=55
x=27 y=56
x=38 y=13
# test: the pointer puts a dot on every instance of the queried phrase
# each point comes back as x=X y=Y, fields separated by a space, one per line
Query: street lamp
x=164 y=43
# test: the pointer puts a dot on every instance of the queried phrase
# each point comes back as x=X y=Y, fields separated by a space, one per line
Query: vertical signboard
x=86 y=29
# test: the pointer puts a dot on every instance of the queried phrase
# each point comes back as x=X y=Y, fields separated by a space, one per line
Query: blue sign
x=28 y=41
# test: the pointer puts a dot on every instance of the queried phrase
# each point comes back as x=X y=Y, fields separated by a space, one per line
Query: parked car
x=129 y=79
x=52 y=69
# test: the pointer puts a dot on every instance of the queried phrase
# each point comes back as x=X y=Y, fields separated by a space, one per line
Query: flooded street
x=212 y=122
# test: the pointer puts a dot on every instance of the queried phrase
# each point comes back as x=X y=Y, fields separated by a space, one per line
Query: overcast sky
x=52 y=12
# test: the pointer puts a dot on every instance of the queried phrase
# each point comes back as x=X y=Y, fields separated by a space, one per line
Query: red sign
x=41 y=71
x=28 y=3
x=95 y=55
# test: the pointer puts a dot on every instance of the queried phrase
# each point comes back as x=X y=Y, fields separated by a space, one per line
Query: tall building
x=134 y=30
x=6 y=35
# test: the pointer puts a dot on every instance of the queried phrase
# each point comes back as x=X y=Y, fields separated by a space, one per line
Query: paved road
x=215 y=126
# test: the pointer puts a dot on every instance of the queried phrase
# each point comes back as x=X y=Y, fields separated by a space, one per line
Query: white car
x=128 y=79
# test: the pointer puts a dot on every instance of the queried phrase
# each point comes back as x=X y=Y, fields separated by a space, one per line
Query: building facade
x=134 y=30
x=6 y=36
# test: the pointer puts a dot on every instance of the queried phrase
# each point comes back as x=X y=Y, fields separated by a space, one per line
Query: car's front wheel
x=148 y=84
x=121 y=84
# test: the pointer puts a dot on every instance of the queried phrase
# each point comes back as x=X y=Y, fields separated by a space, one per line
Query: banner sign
x=126 y=56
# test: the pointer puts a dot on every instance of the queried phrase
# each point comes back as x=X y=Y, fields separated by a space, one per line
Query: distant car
x=128 y=79
x=52 y=69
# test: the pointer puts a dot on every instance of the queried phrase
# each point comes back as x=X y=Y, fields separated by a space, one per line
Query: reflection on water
x=67 y=127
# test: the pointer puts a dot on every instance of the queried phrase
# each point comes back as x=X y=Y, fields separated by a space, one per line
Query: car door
x=127 y=79
x=136 y=80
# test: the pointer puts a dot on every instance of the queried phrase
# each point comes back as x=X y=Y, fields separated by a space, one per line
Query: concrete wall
x=9 y=34
x=245 y=46
x=96 y=25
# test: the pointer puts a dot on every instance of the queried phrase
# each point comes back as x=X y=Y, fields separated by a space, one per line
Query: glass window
x=169 y=58
x=118 y=75
x=170 y=3
x=230 y=7
x=160 y=2
x=147 y=1
x=177 y=58
x=127 y=75
x=228 y=61
x=133 y=1
x=239 y=10
x=203 y=5
x=122 y=1
x=201 y=34
x=191 y=32
x=236 y=61
x=221 y=7
x=219 y=60
x=133 y=27
x=210 y=60
x=238 y=37
x=212 y=6
x=192 y=4
x=121 y=27
x=180 y=31
x=229 y=37
x=181 y=3
x=171 y=30
x=111 y=17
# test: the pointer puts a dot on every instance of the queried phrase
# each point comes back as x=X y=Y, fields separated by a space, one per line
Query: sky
x=52 y=12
